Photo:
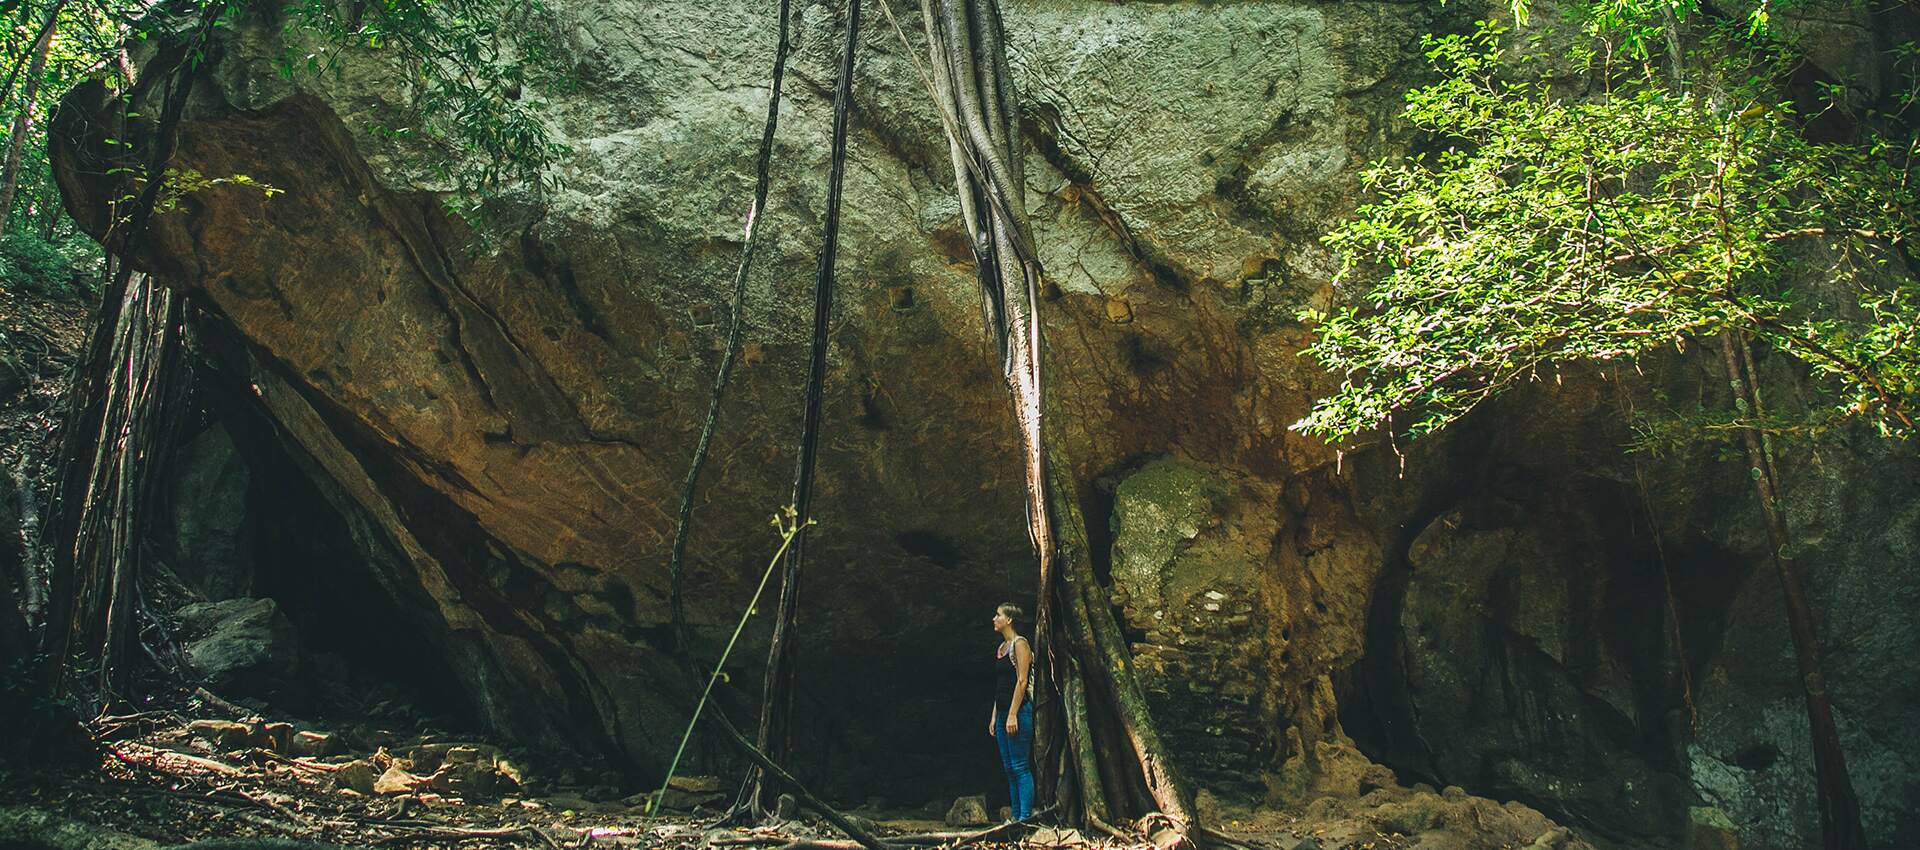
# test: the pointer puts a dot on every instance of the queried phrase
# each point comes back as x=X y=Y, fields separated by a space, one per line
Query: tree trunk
x=775 y=737
x=23 y=121
x=1095 y=731
x=1840 y=826
x=134 y=396
x=121 y=410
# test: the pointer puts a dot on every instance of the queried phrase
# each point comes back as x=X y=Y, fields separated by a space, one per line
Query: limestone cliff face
x=502 y=417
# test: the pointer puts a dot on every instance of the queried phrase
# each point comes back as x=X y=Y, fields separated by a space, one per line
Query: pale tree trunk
x=1097 y=737
x=23 y=121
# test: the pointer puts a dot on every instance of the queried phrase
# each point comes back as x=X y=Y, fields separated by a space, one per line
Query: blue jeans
x=1016 y=757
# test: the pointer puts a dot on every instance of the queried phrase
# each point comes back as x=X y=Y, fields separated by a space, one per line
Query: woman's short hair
x=1011 y=611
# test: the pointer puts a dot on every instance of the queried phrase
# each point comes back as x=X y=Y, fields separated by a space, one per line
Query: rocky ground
x=207 y=769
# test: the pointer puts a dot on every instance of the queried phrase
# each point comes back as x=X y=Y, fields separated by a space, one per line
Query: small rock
x=687 y=801
x=1323 y=809
x=396 y=781
x=1552 y=839
x=865 y=825
x=510 y=773
x=425 y=759
x=698 y=784
x=968 y=811
x=465 y=778
x=675 y=800
x=316 y=744
x=222 y=734
x=357 y=776
x=1454 y=792
x=1056 y=836
x=1006 y=813
x=277 y=737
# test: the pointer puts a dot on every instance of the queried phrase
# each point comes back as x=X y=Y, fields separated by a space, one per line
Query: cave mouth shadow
x=359 y=647
x=893 y=720
x=1549 y=673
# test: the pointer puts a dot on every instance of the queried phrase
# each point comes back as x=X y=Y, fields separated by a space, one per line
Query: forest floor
x=167 y=778
x=40 y=337
x=206 y=770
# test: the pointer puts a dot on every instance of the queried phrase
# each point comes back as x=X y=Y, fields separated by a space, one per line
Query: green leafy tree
x=474 y=66
x=1548 y=229
x=473 y=71
x=1641 y=211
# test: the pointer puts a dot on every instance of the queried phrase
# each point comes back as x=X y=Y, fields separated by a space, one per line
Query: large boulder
x=1234 y=594
x=504 y=408
x=241 y=646
x=212 y=548
x=1528 y=659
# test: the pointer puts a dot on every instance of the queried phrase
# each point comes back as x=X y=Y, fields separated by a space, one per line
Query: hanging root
x=1112 y=764
x=776 y=706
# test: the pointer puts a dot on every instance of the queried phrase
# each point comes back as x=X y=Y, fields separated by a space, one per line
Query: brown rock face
x=505 y=414
x=501 y=415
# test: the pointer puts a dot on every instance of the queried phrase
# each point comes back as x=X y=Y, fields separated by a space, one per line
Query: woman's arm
x=1022 y=663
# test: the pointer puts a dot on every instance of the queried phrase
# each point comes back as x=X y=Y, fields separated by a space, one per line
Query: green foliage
x=177 y=183
x=1544 y=228
x=471 y=70
x=48 y=267
x=471 y=64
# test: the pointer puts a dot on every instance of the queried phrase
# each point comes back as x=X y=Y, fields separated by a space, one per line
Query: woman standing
x=1011 y=722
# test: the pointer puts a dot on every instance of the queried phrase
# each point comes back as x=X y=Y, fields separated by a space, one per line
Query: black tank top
x=1005 y=672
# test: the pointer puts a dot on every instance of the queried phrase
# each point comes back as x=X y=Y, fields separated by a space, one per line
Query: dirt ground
x=206 y=770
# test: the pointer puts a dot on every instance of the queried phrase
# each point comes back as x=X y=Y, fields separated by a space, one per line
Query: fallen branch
x=422 y=832
x=236 y=712
x=866 y=839
x=154 y=758
x=302 y=763
x=994 y=831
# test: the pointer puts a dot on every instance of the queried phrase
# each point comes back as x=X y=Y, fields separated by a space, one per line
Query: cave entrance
x=245 y=519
